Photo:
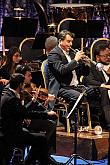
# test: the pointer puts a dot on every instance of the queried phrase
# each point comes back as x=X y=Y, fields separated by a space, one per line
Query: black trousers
x=37 y=141
x=92 y=94
x=49 y=128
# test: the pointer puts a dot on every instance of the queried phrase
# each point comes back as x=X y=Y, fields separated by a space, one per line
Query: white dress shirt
x=74 y=81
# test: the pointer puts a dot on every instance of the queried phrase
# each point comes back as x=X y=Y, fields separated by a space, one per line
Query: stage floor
x=64 y=159
x=89 y=146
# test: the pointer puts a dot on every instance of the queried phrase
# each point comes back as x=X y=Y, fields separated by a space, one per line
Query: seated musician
x=12 y=113
x=30 y=97
x=100 y=77
x=12 y=60
x=66 y=68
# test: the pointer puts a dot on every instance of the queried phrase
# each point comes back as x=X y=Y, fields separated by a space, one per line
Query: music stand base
x=74 y=109
x=75 y=157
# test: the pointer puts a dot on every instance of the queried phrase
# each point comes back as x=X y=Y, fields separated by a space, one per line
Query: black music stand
x=14 y=29
x=75 y=109
x=39 y=42
x=19 y=27
x=86 y=29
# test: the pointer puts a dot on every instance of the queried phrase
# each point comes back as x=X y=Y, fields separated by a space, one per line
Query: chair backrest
x=28 y=52
x=43 y=20
x=44 y=70
x=95 y=44
x=64 y=24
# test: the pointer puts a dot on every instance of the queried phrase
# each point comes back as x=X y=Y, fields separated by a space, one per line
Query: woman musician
x=9 y=65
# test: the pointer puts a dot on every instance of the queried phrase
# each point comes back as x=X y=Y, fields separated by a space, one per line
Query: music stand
x=18 y=28
x=39 y=42
x=86 y=29
x=74 y=109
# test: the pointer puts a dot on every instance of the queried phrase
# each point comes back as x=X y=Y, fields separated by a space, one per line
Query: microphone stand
x=75 y=156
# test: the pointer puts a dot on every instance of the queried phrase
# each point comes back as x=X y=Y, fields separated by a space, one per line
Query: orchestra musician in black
x=99 y=76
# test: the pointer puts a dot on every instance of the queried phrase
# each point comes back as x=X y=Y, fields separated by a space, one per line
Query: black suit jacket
x=60 y=71
x=95 y=77
x=12 y=114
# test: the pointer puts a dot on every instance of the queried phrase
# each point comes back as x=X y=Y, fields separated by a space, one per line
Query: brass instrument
x=85 y=59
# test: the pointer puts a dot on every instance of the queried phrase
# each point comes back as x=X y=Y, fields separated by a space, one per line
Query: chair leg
x=87 y=108
x=68 y=125
x=67 y=122
x=89 y=116
x=17 y=157
x=58 y=119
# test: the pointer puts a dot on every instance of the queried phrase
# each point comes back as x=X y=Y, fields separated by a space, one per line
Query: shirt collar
x=67 y=53
x=16 y=93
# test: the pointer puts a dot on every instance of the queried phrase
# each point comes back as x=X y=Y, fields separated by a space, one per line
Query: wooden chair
x=95 y=44
x=64 y=24
x=60 y=106
x=10 y=155
x=28 y=53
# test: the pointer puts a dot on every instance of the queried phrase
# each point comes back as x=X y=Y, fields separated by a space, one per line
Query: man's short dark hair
x=23 y=69
x=63 y=33
x=15 y=80
x=99 y=48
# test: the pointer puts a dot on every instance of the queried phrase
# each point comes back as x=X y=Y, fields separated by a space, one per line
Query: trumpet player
x=65 y=69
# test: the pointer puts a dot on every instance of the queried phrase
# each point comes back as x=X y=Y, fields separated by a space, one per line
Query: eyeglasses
x=105 y=56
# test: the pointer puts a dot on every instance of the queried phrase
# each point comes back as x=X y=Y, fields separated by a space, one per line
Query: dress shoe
x=52 y=161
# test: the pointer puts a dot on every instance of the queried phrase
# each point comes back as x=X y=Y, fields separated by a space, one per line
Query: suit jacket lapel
x=101 y=75
x=64 y=59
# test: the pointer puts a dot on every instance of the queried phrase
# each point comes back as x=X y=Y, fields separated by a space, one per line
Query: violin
x=42 y=93
x=39 y=93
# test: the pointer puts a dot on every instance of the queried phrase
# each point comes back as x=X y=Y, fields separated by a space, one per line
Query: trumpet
x=84 y=59
x=74 y=50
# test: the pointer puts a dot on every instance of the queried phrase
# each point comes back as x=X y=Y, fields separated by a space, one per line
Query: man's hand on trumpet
x=86 y=60
x=79 y=55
